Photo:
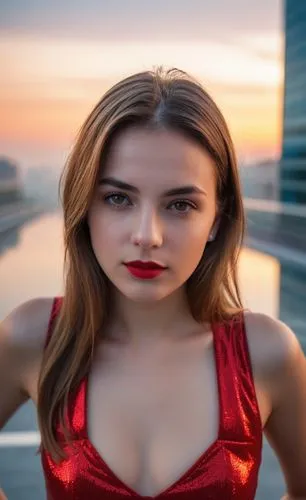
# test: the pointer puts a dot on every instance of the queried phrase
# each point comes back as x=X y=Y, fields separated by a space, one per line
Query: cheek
x=192 y=236
x=192 y=248
x=104 y=234
x=96 y=231
x=193 y=243
x=188 y=248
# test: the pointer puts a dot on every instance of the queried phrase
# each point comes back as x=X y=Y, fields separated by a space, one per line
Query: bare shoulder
x=274 y=349
x=22 y=338
x=278 y=358
x=270 y=340
x=25 y=327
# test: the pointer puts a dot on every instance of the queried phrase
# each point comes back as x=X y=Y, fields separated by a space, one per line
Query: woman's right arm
x=11 y=370
x=12 y=366
x=22 y=337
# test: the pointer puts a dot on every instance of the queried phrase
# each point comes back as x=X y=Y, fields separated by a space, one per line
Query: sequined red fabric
x=227 y=470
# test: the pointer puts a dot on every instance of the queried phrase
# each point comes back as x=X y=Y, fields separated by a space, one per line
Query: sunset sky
x=58 y=58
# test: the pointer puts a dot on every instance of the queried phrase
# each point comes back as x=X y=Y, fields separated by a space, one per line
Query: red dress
x=227 y=470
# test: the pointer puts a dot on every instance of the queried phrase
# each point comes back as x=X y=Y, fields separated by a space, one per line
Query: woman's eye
x=183 y=206
x=116 y=199
x=119 y=200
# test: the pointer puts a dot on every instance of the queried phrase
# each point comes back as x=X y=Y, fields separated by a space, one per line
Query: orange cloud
x=50 y=86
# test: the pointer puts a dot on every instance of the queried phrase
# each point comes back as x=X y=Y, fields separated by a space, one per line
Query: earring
x=214 y=230
x=212 y=235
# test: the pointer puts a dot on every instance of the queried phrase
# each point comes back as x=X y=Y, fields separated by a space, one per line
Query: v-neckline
x=193 y=466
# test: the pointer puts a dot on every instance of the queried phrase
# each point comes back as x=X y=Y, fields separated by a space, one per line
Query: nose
x=147 y=231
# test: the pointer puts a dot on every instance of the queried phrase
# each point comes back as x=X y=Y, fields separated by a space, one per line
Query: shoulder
x=23 y=331
x=22 y=339
x=26 y=325
x=274 y=349
x=278 y=358
x=270 y=338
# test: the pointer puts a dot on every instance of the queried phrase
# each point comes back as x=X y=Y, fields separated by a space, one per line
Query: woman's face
x=143 y=221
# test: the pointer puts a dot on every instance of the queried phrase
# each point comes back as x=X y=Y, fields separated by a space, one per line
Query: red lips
x=144 y=265
x=144 y=270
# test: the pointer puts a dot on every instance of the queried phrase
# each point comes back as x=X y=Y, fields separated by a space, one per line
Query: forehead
x=158 y=158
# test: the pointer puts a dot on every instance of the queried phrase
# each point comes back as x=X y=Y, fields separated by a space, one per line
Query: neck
x=151 y=322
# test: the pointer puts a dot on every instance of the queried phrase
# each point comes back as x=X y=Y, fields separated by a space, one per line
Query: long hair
x=169 y=99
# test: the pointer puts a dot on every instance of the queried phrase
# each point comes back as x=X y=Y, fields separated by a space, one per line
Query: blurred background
x=58 y=58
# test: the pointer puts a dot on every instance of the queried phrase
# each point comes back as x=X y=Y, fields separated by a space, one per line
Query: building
x=293 y=158
x=260 y=180
x=10 y=182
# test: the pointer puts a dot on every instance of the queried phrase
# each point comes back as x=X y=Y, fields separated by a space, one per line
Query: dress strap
x=239 y=411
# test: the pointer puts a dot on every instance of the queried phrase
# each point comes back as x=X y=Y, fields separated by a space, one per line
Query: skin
x=150 y=226
x=157 y=362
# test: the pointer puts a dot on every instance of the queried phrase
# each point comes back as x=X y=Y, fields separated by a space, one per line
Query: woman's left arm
x=286 y=426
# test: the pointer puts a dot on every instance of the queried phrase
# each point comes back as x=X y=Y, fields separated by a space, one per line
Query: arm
x=22 y=338
x=12 y=394
x=12 y=365
x=286 y=426
x=22 y=335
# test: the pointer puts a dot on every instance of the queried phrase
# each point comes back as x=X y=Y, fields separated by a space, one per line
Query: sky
x=58 y=59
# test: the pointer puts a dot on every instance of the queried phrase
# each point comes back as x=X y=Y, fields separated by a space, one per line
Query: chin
x=144 y=295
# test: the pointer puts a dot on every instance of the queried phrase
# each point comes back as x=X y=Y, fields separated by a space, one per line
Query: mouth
x=144 y=270
x=138 y=264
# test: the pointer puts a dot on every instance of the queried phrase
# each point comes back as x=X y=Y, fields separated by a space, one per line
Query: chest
x=151 y=415
x=163 y=422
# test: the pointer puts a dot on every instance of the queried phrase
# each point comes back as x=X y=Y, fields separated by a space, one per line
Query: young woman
x=150 y=379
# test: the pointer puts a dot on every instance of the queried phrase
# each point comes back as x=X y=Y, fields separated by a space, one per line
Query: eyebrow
x=111 y=181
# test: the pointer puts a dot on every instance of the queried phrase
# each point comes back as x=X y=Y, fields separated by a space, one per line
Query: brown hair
x=170 y=99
